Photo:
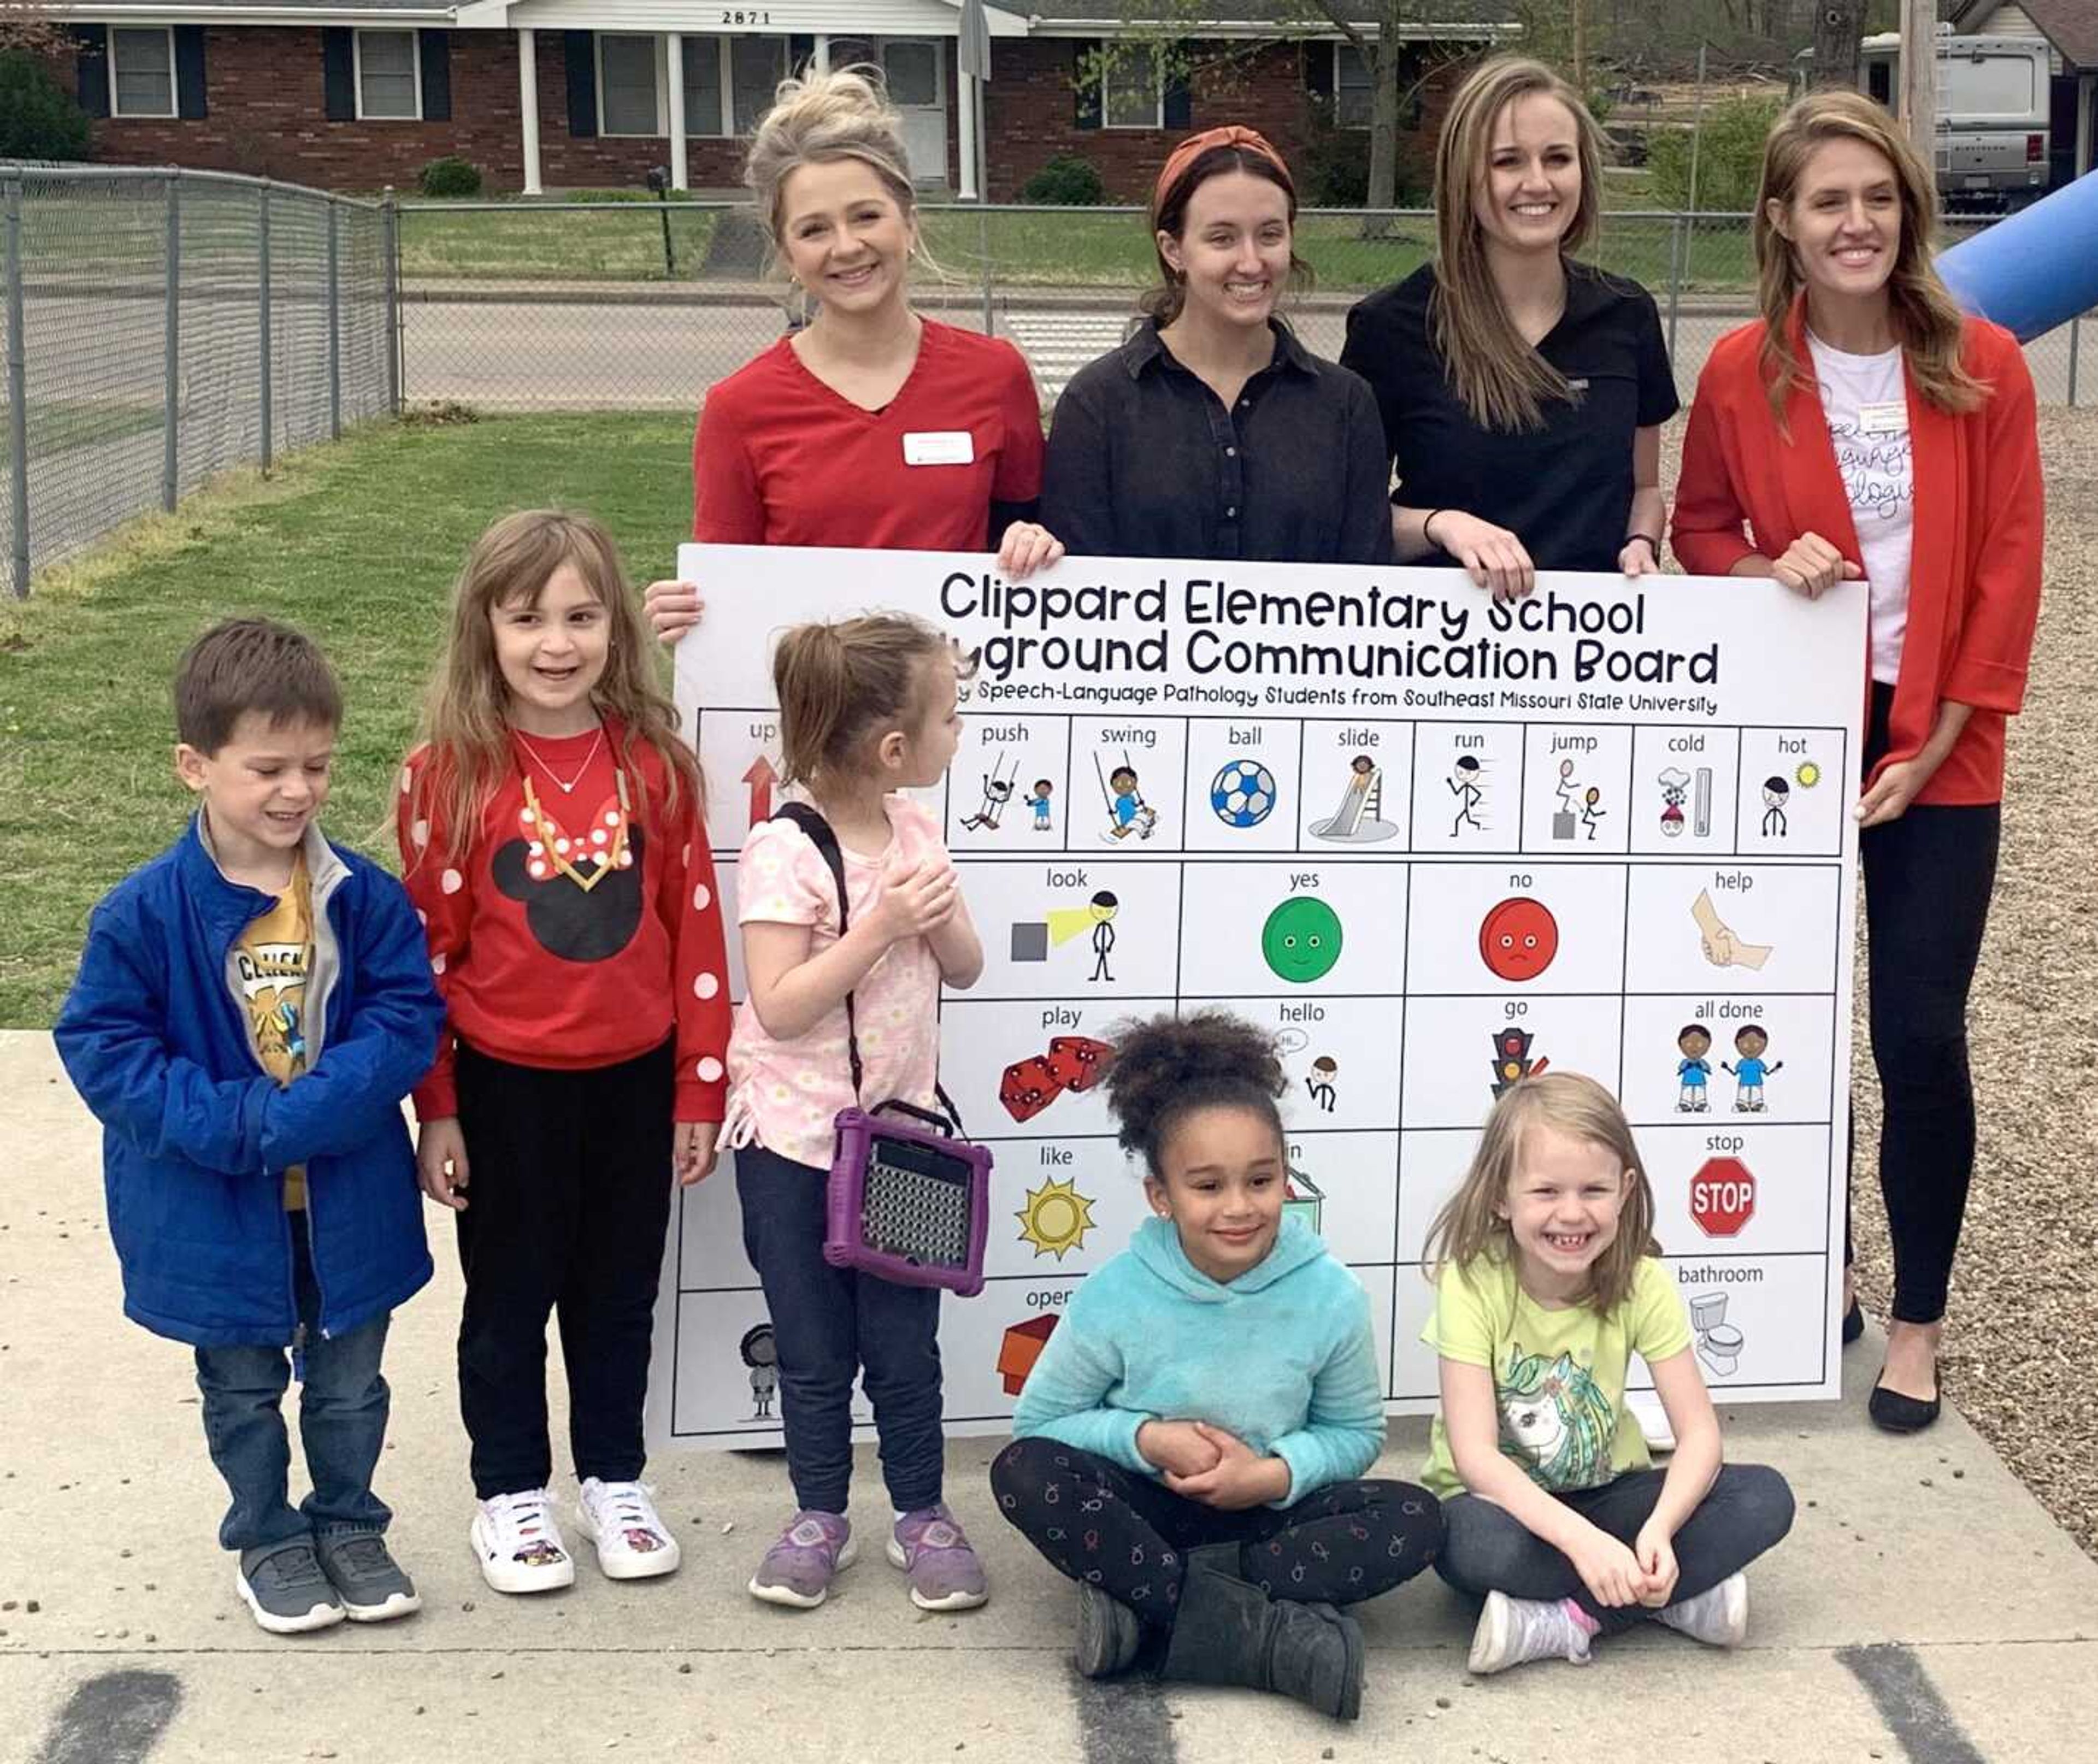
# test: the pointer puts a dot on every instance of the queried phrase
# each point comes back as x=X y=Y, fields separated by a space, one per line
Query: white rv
x=1992 y=114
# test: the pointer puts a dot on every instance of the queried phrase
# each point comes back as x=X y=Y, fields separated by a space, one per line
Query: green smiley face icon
x=1301 y=940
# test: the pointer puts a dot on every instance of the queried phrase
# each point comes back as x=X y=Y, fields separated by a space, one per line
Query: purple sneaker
x=945 y=1573
x=798 y=1568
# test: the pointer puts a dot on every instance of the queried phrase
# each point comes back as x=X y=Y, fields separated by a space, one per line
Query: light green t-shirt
x=1559 y=1375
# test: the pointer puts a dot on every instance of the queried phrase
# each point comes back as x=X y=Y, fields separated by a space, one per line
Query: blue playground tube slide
x=2036 y=269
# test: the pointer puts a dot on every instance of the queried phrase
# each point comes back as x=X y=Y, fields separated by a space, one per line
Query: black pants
x=1486 y=1549
x=1927 y=879
x=831 y=1326
x=1129 y=1534
x=567 y=1206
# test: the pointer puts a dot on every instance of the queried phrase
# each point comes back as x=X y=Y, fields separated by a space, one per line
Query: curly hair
x=1166 y=1068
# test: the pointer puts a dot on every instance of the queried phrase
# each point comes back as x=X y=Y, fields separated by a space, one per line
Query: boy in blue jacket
x=252 y=1006
x=1190 y=1443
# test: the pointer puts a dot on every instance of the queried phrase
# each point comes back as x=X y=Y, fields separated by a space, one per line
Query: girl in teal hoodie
x=1189 y=1444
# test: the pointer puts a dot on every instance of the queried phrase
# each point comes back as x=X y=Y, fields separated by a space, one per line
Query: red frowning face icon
x=1518 y=938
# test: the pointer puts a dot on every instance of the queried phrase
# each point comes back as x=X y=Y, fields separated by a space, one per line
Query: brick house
x=547 y=94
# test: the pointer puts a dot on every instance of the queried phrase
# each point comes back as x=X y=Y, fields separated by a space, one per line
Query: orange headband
x=1230 y=134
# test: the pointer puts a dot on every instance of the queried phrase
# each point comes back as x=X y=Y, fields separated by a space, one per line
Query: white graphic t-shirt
x=1867 y=405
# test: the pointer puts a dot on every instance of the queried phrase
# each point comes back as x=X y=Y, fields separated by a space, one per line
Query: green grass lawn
x=606 y=242
x=357 y=544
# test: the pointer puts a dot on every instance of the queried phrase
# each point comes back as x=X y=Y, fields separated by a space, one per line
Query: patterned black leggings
x=1129 y=1535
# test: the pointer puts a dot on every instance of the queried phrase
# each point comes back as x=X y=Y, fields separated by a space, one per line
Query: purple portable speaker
x=907 y=1203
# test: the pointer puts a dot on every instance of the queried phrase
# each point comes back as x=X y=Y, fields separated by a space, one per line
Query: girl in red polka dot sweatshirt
x=551 y=839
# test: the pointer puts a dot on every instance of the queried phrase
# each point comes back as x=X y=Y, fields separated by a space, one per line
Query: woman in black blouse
x=1212 y=432
x=1522 y=393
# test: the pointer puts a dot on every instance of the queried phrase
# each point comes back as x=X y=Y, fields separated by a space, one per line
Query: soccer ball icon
x=1243 y=793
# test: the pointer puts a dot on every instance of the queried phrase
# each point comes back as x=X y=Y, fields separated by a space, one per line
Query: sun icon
x=1808 y=774
x=1056 y=1218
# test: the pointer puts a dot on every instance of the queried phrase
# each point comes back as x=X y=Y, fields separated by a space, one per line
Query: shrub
x=39 y=119
x=449 y=176
x=1730 y=157
x=1066 y=181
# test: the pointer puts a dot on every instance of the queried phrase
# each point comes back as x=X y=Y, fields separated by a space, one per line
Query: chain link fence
x=160 y=327
x=642 y=306
x=138 y=304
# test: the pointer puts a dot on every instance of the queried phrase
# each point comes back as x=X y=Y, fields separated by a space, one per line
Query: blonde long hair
x=466 y=722
x=1502 y=382
x=1470 y=1224
x=1925 y=318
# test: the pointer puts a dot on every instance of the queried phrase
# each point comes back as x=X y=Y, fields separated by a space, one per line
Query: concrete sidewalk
x=1924 y=1607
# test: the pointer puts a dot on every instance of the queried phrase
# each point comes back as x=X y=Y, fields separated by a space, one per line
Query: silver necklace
x=567 y=789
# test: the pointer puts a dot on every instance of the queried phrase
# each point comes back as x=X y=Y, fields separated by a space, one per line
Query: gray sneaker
x=285 y=1589
x=365 y=1577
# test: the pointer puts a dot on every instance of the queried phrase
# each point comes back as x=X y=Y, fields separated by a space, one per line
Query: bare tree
x=31 y=29
x=1398 y=68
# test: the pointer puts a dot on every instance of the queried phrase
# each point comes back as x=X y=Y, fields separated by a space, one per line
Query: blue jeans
x=1486 y=1549
x=830 y=1322
x=342 y=1404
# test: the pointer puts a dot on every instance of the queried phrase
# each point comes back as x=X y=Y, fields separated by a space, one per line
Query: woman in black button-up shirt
x=1212 y=432
x=1522 y=391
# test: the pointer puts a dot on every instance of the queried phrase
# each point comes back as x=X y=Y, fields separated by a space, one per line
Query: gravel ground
x=2023 y=1326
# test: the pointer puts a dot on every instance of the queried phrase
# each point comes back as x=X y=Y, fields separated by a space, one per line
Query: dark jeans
x=342 y=1405
x=1129 y=1534
x=567 y=1207
x=1486 y=1549
x=830 y=1325
x=1927 y=879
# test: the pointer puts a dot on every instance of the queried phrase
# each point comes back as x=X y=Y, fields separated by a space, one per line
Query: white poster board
x=1425 y=838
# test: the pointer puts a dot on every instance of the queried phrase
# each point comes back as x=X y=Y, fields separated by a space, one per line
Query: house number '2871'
x=744 y=15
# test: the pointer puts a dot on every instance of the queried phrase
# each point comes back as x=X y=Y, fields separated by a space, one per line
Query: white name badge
x=940 y=447
x=1883 y=418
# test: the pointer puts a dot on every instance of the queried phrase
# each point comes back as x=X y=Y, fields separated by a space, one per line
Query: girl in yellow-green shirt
x=1547 y=1281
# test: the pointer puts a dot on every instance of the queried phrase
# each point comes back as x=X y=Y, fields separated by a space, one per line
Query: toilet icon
x=1719 y=1343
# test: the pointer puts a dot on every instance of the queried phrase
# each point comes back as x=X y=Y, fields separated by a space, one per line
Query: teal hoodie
x=1282 y=1357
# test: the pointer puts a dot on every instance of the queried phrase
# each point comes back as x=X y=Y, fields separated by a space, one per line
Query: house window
x=1133 y=91
x=703 y=86
x=627 y=101
x=141 y=73
x=1355 y=87
x=757 y=65
x=389 y=86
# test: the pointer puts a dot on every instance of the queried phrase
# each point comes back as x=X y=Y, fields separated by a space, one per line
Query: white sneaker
x=1513 y=1630
x=1652 y=1421
x=619 y=1518
x=1719 y=1618
x=518 y=1544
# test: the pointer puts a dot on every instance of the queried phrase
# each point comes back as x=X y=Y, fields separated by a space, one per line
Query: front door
x=914 y=69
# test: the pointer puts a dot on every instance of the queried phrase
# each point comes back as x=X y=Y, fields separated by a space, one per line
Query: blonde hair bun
x=818 y=119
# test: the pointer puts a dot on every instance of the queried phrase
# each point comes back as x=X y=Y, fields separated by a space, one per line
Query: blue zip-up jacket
x=1282 y=1357
x=196 y=1136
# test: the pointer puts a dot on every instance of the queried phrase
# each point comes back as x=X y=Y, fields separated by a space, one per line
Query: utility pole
x=1919 y=78
x=1839 y=26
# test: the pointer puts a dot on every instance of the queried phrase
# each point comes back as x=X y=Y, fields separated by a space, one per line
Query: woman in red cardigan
x=1864 y=427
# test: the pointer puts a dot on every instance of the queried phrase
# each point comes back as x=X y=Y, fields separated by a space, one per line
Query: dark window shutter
x=1088 y=91
x=189 y=70
x=435 y=47
x=800 y=52
x=1318 y=71
x=579 y=49
x=1179 y=102
x=338 y=75
x=92 y=68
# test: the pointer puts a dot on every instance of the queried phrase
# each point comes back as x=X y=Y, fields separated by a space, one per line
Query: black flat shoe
x=1895 y=1413
x=1853 y=1323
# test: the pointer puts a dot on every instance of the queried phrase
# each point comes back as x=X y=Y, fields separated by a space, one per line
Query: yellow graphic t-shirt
x=1559 y=1375
x=273 y=960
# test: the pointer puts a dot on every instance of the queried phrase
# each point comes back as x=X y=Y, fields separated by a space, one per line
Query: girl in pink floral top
x=867 y=708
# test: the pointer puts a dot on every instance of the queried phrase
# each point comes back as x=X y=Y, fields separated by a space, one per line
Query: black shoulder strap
x=811 y=820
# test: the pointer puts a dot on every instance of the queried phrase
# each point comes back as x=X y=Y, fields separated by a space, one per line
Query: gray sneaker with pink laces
x=798 y=1569
x=945 y=1573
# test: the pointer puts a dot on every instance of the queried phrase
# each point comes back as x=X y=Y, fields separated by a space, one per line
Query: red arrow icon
x=761 y=778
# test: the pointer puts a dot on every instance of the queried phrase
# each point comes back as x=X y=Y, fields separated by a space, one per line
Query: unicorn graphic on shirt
x=1555 y=1421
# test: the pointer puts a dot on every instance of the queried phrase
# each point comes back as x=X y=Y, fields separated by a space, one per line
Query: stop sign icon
x=1723 y=1197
